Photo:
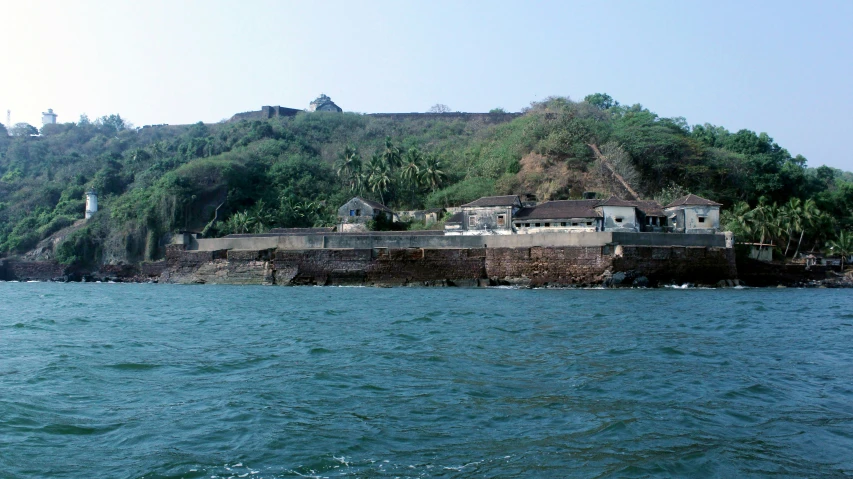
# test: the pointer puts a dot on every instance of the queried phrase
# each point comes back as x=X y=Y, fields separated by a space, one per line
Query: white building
x=91 y=203
x=48 y=117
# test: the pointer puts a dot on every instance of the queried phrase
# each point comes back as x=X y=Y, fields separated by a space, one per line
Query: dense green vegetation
x=249 y=176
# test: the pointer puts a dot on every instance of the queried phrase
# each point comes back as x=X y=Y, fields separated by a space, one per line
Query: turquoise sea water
x=133 y=381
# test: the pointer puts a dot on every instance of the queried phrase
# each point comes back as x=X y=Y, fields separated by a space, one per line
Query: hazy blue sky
x=779 y=67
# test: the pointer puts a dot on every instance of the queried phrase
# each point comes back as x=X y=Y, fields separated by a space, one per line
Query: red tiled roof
x=563 y=209
x=508 y=200
x=614 y=201
x=692 y=200
x=375 y=205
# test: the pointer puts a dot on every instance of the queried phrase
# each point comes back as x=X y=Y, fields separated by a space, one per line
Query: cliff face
x=534 y=266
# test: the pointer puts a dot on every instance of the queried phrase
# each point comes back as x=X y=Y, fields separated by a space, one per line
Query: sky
x=778 y=67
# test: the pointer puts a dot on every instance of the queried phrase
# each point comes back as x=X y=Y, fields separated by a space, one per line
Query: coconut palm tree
x=809 y=214
x=379 y=177
x=348 y=164
x=792 y=219
x=260 y=217
x=412 y=167
x=842 y=245
x=737 y=221
x=764 y=221
x=392 y=155
x=432 y=176
x=238 y=223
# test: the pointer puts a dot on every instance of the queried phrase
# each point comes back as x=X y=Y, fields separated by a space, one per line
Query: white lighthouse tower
x=48 y=117
x=91 y=203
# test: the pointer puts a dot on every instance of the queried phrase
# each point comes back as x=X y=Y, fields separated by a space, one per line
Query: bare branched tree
x=622 y=163
x=439 y=108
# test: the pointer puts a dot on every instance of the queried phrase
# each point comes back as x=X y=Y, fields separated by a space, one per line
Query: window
x=563 y=223
x=538 y=224
x=518 y=225
x=574 y=224
x=501 y=220
x=618 y=220
x=352 y=212
x=472 y=221
x=547 y=224
x=589 y=223
x=358 y=212
x=527 y=225
x=701 y=219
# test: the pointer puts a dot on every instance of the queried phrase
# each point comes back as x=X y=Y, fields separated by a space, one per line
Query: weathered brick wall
x=427 y=266
x=537 y=266
x=11 y=270
x=665 y=264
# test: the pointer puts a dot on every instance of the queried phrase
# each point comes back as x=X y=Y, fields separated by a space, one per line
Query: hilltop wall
x=490 y=118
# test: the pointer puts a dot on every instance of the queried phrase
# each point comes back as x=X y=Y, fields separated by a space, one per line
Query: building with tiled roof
x=693 y=214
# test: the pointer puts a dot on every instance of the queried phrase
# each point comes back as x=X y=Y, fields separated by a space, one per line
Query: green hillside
x=289 y=172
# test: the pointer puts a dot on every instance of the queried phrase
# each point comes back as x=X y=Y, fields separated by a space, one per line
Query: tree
x=238 y=223
x=809 y=214
x=792 y=217
x=842 y=245
x=737 y=220
x=379 y=177
x=391 y=155
x=348 y=167
x=497 y=111
x=432 y=175
x=601 y=100
x=439 y=108
x=113 y=123
x=412 y=168
x=24 y=129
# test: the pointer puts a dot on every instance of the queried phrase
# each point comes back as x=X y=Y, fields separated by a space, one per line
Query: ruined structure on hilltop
x=324 y=103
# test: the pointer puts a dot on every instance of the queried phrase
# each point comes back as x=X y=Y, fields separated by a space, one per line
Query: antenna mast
x=8 y=118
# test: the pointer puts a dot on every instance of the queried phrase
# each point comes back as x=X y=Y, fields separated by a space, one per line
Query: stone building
x=359 y=211
x=485 y=216
x=650 y=216
x=564 y=216
x=48 y=117
x=618 y=215
x=693 y=214
x=324 y=103
x=489 y=215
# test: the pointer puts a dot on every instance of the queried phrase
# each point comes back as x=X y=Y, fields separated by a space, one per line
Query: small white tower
x=91 y=203
x=48 y=118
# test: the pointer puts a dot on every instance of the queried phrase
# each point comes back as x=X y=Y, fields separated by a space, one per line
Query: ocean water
x=162 y=381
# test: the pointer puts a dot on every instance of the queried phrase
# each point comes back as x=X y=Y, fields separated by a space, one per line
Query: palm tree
x=432 y=175
x=763 y=221
x=238 y=223
x=792 y=216
x=348 y=164
x=843 y=244
x=412 y=167
x=391 y=154
x=809 y=214
x=260 y=217
x=379 y=177
x=737 y=221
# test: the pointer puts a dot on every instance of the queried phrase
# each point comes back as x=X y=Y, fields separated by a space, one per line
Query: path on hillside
x=606 y=163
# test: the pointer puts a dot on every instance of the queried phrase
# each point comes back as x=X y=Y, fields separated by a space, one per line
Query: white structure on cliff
x=91 y=203
x=48 y=117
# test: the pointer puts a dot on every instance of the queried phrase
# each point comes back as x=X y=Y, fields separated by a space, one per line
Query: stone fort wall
x=533 y=266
